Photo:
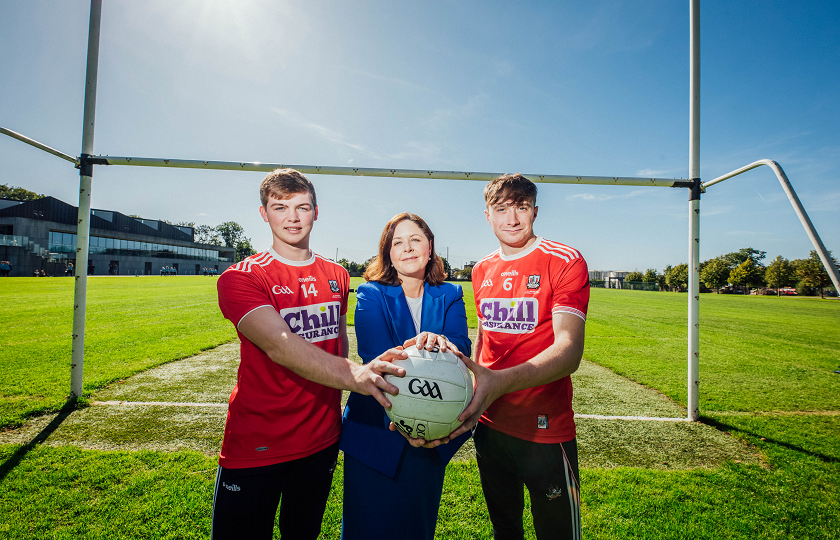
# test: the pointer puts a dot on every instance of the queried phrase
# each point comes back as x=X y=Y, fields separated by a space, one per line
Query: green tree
x=244 y=249
x=663 y=278
x=747 y=274
x=715 y=273
x=18 y=193
x=466 y=273
x=650 y=276
x=737 y=257
x=233 y=235
x=677 y=277
x=446 y=267
x=813 y=273
x=353 y=268
x=780 y=273
x=634 y=276
x=205 y=234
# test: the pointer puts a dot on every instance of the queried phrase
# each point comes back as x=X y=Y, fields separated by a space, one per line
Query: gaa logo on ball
x=437 y=387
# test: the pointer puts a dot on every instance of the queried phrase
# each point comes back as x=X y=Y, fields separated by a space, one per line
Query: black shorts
x=550 y=472
x=245 y=500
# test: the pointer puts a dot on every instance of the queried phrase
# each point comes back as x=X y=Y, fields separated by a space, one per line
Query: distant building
x=41 y=235
x=612 y=278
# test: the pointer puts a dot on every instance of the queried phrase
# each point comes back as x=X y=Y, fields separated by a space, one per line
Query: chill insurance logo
x=509 y=315
x=314 y=323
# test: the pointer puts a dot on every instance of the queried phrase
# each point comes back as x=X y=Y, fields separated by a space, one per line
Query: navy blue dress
x=379 y=464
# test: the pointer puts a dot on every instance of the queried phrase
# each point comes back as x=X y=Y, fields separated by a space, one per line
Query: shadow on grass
x=730 y=428
x=7 y=466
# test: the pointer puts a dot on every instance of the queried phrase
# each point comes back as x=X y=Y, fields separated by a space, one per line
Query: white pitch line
x=159 y=403
x=643 y=418
x=224 y=405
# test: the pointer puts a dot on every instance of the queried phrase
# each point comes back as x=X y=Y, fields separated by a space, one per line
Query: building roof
x=52 y=209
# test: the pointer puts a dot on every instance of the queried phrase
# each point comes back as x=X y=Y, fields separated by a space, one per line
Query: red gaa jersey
x=275 y=415
x=515 y=298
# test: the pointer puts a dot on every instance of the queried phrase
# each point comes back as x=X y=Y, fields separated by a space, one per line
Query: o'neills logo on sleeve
x=314 y=323
x=509 y=315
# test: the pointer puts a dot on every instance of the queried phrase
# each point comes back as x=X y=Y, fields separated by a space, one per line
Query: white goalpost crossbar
x=86 y=161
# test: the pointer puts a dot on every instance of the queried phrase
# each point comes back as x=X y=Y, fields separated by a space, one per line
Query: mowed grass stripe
x=756 y=353
x=132 y=324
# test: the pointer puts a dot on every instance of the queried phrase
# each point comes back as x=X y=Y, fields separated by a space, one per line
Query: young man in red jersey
x=531 y=296
x=289 y=307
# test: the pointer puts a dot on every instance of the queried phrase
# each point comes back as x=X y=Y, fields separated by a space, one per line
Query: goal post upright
x=85 y=185
x=693 y=398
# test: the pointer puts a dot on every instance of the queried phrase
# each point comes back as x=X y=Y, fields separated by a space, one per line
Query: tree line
x=228 y=234
x=744 y=268
x=16 y=193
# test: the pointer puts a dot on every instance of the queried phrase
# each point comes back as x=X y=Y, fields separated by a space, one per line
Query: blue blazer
x=383 y=321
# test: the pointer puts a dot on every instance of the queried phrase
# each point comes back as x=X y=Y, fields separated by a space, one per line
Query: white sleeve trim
x=567 y=309
x=253 y=310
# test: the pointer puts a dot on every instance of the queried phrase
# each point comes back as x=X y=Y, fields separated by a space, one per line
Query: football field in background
x=138 y=460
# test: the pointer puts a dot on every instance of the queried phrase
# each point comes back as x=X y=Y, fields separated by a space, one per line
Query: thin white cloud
x=411 y=150
x=442 y=117
x=660 y=173
x=716 y=211
x=324 y=132
x=604 y=197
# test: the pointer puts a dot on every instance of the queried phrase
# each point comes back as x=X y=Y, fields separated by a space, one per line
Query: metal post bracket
x=86 y=163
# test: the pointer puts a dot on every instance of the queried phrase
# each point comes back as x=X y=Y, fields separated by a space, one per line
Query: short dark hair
x=512 y=187
x=380 y=268
x=281 y=183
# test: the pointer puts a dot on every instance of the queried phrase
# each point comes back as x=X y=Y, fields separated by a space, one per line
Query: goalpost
x=86 y=161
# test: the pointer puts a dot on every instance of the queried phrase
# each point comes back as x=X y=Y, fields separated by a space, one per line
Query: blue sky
x=585 y=88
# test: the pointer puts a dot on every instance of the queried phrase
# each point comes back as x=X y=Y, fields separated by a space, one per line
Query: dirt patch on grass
x=208 y=378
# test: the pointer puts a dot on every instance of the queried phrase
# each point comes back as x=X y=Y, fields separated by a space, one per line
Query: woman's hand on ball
x=430 y=340
x=420 y=441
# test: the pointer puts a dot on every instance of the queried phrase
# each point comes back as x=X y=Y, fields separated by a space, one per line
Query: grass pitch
x=766 y=379
x=132 y=325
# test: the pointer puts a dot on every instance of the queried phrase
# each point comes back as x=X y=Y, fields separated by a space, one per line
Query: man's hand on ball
x=430 y=340
x=489 y=386
x=369 y=378
x=420 y=441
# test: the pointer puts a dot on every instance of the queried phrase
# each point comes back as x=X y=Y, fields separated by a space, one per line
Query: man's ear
x=536 y=209
x=316 y=213
x=487 y=215
x=263 y=213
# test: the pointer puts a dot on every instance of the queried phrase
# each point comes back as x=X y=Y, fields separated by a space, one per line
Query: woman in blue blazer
x=404 y=302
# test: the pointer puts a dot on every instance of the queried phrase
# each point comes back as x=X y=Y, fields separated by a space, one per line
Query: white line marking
x=644 y=418
x=224 y=405
x=159 y=404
